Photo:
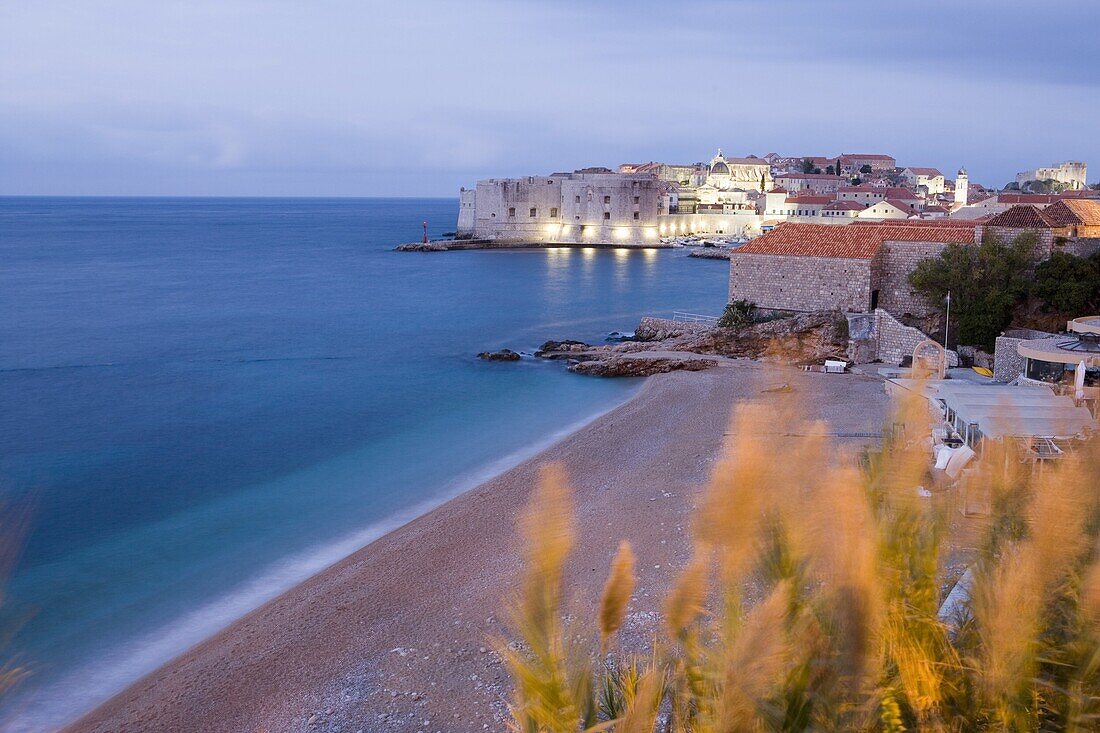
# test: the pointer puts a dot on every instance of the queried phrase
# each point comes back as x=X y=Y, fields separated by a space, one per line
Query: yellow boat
x=983 y=371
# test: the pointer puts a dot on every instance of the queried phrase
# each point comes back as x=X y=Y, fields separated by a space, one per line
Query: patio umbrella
x=1079 y=382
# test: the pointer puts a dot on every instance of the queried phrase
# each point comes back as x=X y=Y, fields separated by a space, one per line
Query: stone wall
x=896 y=340
x=1083 y=246
x=898 y=260
x=1007 y=362
x=1007 y=234
x=802 y=283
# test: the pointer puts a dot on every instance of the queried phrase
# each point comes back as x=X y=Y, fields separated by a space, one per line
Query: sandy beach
x=394 y=637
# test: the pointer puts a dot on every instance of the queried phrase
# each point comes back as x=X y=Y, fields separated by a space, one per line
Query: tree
x=830 y=170
x=856 y=181
x=865 y=169
x=986 y=282
x=762 y=183
x=1069 y=284
x=807 y=165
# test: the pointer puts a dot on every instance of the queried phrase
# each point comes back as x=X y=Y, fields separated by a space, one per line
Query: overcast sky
x=239 y=97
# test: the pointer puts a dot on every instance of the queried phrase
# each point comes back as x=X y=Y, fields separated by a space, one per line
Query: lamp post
x=947 y=321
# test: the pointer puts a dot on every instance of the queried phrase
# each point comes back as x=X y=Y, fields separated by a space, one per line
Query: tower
x=962 y=183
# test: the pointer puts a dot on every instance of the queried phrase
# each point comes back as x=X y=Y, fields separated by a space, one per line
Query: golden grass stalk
x=616 y=593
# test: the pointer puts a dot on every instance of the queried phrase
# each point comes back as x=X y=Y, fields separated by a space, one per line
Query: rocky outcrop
x=710 y=253
x=566 y=349
x=422 y=247
x=659 y=329
x=641 y=365
x=806 y=338
x=501 y=355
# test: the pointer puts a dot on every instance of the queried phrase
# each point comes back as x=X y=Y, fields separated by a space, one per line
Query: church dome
x=719 y=169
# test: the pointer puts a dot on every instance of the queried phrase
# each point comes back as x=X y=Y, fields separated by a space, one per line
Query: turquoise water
x=206 y=400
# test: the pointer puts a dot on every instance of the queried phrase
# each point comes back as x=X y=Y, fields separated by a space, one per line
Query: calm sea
x=206 y=400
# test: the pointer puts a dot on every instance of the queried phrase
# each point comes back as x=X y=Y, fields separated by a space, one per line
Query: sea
x=204 y=401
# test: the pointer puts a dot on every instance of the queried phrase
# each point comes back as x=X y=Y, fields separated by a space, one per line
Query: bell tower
x=962 y=184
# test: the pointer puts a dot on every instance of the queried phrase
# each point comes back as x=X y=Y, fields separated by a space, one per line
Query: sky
x=418 y=98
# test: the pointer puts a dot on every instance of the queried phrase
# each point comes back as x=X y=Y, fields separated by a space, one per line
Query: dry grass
x=847 y=635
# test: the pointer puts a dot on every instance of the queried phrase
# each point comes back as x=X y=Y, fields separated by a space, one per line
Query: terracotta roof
x=1023 y=216
x=967 y=224
x=778 y=189
x=1068 y=212
x=847 y=242
x=924 y=171
x=868 y=156
x=896 y=192
x=844 y=206
x=903 y=205
x=1026 y=198
x=810 y=175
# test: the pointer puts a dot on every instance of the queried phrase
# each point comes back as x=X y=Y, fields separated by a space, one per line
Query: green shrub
x=1069 y=284
x=738 y=314
x=986 y=282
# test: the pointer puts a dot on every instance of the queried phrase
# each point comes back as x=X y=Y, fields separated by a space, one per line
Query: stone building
x=817 y=183
x=1069 y=225
x=930 y=178
x=594 y=206
x=738 y=174
x=853 y=268
x=682 y=174
x=852 y=163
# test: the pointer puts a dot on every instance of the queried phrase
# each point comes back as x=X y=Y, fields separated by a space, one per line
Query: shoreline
x=395 y=633
x=160 y=647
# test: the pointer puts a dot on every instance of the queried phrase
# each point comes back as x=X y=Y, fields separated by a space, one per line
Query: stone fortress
x=1071 y=173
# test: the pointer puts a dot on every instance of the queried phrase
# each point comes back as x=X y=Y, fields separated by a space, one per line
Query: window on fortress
x=511 y=211
x=576 y=199
x=635 y=216
x=607 y=199
x=607 y=215
x=637 y=199
x=553 y=213
x=534 y=212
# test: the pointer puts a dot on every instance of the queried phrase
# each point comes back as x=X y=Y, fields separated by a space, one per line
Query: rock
x=640 y=366
x=710 y=253
x=423 y=247
x=565 y=345
x=501 y=355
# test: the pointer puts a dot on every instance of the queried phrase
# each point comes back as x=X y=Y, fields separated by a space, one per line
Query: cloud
x=377 y=98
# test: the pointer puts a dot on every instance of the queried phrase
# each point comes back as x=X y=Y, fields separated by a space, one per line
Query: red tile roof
x=847 y=242
x=903 y=205
x=868 y=156
x=810 y=175
x=844 y=206
x=1023 y=216
x=967 y=224
x=924 y=171
x=1069 y=212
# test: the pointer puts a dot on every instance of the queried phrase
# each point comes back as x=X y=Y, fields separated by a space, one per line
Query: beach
x=396 y=637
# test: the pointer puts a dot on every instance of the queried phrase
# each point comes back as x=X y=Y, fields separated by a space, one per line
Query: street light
x=947 y=321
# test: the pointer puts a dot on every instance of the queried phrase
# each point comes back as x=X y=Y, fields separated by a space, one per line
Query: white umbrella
x=1079 y=382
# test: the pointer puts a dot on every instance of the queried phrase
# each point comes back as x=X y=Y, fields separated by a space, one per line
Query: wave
x=92 y=683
